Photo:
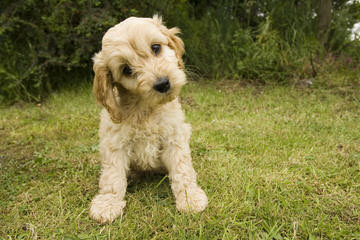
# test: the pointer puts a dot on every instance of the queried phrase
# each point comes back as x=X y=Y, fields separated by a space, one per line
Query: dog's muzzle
x=162 y=85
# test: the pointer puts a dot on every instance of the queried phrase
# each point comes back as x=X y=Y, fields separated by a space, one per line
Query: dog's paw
x=106 y=207
x=191 y=200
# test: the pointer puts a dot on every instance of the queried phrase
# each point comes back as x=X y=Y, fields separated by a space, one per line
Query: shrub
x=46 y=43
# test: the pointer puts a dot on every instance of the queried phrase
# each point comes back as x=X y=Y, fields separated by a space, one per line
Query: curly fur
x=142 y=129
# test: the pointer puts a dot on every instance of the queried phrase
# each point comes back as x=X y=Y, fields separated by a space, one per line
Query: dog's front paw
x=191 y=200
x=106 y=207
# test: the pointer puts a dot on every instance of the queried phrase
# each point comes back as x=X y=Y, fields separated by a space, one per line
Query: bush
x=43 y=41
x=46 y=43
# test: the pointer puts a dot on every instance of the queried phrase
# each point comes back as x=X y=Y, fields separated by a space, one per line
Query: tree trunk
x=324 y=16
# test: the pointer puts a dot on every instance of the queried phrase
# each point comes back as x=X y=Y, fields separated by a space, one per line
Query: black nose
x=162 y=84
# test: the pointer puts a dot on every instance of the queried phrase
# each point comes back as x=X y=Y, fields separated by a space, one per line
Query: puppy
x=138 y=76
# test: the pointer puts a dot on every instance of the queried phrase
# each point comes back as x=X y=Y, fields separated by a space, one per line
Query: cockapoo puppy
x=138 y=76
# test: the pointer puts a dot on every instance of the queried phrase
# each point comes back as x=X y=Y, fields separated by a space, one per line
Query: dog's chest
x=145 y=148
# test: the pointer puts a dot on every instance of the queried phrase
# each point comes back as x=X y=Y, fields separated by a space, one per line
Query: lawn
x=275 y=162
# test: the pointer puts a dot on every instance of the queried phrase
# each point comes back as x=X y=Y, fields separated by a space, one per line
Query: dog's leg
x=109 y=203
x=189 y=196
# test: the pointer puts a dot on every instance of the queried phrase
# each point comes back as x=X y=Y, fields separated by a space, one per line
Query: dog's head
x=140 y=59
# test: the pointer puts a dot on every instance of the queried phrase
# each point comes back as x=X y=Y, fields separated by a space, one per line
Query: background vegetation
x=44 y=44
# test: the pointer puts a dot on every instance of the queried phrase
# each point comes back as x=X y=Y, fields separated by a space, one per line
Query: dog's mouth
x=160 y=92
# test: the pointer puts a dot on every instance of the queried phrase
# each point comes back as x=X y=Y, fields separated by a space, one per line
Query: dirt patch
x=230 y=86
x=13 y=150
x=348 y=93
x=189 y=101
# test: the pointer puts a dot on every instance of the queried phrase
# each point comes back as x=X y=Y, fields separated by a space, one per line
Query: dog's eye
x=156 y=48
x=127 y=70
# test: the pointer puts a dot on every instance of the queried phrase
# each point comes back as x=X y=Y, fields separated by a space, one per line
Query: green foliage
x=268 y=58
x=259 y=49
x=343 y=20
x=45 y=43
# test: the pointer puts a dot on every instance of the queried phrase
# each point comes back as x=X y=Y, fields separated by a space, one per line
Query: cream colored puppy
x=138 y=77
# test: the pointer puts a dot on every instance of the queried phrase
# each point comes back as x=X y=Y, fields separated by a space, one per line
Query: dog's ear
x=175 y=42
x=103 y=87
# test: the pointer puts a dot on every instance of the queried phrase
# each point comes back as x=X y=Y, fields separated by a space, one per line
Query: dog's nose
x=162 y=84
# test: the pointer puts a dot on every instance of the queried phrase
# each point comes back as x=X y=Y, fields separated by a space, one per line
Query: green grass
x=275 y=162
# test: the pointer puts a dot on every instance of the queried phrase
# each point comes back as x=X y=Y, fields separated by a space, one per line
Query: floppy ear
x=103 y=87
x=175 y=42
